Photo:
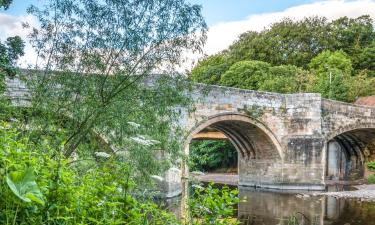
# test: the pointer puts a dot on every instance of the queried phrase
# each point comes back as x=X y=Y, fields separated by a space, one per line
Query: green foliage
x=23 y=185
x=360 y=85
x=101 y=78
x=104 y=87
x=365 y=59
x=298 y=42
x=332 y=72
x=327 y=61
x=211 y=155
x=371 y=179
x=371 y=165
x=211 y=205
x=246 y=74
x=39 y=186
x=353 y=36
x=300 y=57
x=10 y=51
x=5 y=3
x=60 y=193
x=286 y=42
x=210 y=69
x=284 y=79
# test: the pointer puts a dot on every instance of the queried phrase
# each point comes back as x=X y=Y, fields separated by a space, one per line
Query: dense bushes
x=313 y=55
x=213 y=206
x=371 y=167
x=371 y=179
x=39 y=186
x=211 y=155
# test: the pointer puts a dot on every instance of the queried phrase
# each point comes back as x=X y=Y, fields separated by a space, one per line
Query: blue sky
x=214 y=11
x=227 y=19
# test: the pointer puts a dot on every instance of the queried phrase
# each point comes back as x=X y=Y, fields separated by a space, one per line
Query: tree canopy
x=102 y=51
x=298 y=53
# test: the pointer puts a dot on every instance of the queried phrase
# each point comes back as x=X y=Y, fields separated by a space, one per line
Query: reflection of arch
x=356 y=142
x=251 y=138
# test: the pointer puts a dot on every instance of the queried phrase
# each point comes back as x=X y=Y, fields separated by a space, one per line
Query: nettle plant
x=40 y=186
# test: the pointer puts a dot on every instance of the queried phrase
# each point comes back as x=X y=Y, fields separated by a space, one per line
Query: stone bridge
x=284 y=141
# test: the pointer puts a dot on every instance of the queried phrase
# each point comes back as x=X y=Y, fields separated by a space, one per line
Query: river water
x=262 y=207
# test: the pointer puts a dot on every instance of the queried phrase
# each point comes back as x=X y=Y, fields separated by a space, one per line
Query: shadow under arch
x=348 y=150
x=248 y=135
x=260 y=157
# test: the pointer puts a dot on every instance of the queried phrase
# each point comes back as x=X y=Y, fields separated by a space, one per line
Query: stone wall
x=340 y=117
x=291 y=122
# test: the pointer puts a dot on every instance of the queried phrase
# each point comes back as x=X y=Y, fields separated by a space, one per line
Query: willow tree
x=93 y=60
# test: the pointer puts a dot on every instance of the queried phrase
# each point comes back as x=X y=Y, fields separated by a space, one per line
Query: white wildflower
x=197 y=186
x=102 y=154
x=121 y=153
x=135 y=125
x=144 y=141
x=157 y=178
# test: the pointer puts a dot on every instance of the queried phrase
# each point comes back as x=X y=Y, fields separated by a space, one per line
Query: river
x=264 y=207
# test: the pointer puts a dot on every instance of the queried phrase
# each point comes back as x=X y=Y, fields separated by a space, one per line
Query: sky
x=226 y=19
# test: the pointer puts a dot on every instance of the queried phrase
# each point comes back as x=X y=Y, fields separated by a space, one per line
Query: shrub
x=371 y=165
x=371 y=179
x=39 y=186
x=211 y=205
x=210 y=155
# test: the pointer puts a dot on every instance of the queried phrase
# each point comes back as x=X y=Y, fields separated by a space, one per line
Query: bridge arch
x=348 y=150
x=260 y=155
x=247 y=134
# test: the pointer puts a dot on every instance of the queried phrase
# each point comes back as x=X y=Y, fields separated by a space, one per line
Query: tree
x=294 y=43
x=246 y=74
x=211 y=155
x=298 y=42
x=365 y=59
x=210 y=69
x=353 y=35
x=5 y=3
x=360 y=85
x=10 y=51
x=332 y=72
x=284 y=79
x=98 y=53
x=285 y=42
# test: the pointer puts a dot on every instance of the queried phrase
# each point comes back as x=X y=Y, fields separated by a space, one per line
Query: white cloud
x=220 y=36
x=12 y=26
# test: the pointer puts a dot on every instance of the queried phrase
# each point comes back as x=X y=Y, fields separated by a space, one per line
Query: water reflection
x=278 y=208
x=264 y=207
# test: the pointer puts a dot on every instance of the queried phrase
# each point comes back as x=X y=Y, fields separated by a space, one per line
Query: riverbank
x=230 y=179
x=364 y=192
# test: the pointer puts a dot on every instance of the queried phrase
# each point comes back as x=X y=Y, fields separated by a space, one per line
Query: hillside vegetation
x=334 y=58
